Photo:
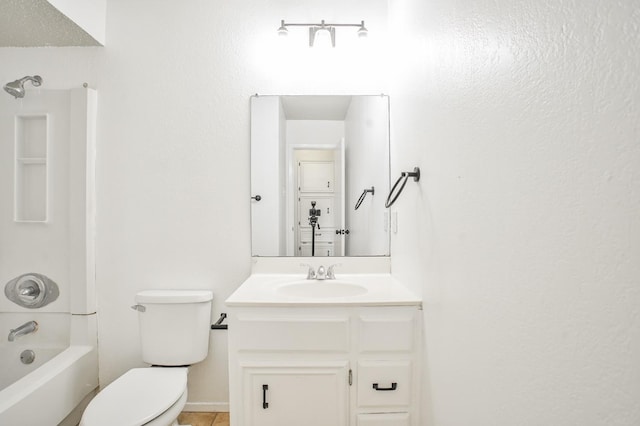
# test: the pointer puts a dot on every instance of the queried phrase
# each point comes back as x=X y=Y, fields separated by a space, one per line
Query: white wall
x=266 y=138
x=282 y=179
x=314 y=132
x=367 y=146
x=523 y=235
x=174 y=82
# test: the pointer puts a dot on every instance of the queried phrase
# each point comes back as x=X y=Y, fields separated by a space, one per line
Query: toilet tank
x=174 y=325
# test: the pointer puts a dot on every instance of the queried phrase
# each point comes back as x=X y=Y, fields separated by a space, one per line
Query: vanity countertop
x=347 y=290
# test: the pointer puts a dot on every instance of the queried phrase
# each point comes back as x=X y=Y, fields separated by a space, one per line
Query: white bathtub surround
x=48 y=182
x=50 y=231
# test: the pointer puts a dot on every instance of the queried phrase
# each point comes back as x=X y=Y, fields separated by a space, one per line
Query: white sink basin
x=321 y=289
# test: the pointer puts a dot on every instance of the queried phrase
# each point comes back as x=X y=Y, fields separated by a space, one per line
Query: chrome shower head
x=16 y=88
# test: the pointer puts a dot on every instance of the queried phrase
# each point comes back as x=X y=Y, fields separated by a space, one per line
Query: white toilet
x=174 y=332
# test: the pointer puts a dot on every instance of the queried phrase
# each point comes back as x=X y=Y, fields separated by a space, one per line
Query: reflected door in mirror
x=326 y=150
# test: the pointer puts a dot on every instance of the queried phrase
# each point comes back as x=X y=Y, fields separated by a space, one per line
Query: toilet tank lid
x=173 y=296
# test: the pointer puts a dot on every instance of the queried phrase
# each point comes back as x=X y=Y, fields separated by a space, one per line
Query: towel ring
x=364 y=194
x=403 y=177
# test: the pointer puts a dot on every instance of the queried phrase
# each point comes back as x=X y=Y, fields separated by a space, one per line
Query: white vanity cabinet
x=324 y=365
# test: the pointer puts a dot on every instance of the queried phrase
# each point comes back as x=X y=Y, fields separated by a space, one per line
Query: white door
x=317 y=189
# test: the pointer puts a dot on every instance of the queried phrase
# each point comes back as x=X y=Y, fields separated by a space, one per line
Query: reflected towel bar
x=364 y=194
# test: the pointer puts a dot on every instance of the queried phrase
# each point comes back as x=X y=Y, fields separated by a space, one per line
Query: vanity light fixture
x=322 y=29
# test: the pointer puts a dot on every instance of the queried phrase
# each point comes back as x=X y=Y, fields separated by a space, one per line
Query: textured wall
x=524 y=233
x=522 y=236
x=173 y=83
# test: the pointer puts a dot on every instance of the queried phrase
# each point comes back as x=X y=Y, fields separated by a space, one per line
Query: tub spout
x=26 y=328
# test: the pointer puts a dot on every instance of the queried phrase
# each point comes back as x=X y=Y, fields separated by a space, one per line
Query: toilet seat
x=137 y=397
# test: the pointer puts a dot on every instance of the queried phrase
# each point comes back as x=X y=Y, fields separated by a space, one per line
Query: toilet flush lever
x=139 y=308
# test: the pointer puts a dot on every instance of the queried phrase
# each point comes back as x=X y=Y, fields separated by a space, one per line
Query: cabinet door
x=324 y=204
x=316 y=176
x=296 y=396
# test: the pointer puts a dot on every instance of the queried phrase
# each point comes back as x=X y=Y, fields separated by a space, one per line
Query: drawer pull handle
x=393 y=387
x=265 y=404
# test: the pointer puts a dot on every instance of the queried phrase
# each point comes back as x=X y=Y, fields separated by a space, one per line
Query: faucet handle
x=321 y=275
x=331 y=275
x=311 y=274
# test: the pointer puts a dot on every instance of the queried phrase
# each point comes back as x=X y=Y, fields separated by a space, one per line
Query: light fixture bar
x=322 y=26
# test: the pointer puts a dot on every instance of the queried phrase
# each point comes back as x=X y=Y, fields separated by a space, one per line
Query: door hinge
x=350 y=377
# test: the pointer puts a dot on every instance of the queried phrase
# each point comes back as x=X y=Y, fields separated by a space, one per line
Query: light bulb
x=362 y=31
x=283 y=31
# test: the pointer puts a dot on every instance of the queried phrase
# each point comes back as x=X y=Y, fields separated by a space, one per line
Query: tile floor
x=203 y=419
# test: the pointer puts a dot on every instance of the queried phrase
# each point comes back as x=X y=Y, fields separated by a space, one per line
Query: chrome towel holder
x=404 y=176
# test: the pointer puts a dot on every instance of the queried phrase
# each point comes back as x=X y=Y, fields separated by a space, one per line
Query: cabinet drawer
x=325 y=235
x=293 y=334
x=387 y=419
x=321 y=249
x=384 y=383
x=387 y=333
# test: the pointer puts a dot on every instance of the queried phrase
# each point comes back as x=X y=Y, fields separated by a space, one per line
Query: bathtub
x=62 y=376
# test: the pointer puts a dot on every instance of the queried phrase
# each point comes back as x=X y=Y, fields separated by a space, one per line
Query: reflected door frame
x=291 y=189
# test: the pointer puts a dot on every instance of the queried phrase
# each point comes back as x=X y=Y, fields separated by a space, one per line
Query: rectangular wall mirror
x=314 y=159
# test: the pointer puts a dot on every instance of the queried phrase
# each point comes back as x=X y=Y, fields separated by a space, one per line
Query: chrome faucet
x=328 y=274
x=331 y=275
x=322 y=273
x=26 y=328
x=311 y=274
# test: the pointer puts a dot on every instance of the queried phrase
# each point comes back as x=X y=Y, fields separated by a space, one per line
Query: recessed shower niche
x=31 y=177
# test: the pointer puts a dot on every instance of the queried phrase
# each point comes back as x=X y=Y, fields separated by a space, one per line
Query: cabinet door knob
x=393 y=387
x=257 y=198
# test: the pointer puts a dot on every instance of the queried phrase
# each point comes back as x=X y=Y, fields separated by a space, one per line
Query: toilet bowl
x=174 y=333
x=152 y=396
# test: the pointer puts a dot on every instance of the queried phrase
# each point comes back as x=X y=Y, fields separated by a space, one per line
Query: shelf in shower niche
x=31 y=169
